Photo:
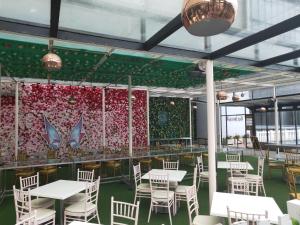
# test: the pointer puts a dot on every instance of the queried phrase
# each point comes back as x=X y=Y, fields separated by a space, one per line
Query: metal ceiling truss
x=54 y=17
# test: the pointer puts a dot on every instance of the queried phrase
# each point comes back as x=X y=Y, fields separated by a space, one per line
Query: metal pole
x=16 y=120
x=190 y=110
x=276 y=119
x=219 y=125
x=211 y=128
x=129 y=117
x=148 y=115
x=103 y=118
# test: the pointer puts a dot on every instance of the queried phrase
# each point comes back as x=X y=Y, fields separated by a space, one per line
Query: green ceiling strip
x=23 y=60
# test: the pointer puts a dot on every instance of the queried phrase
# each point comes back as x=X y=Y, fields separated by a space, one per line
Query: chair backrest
x=200 y=163
x=124 y=210
x=170 y=165
x=195 y=175
x=233 y=157
x=240 y=186
x=285 y=220
x=238 y=170
x=292 y=158
x=260 y=166
x=29 y=182
x=159 y=182
x=192 y=202
x=83 y=175
x=292 y=183
x=31 y=220
x=22 y=203
x=91 y=193
x=242 y=216
x=137 y=174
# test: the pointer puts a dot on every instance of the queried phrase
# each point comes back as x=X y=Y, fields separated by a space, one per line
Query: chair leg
x=263 y=187
x=170 y=217
x=134 y=198
x=199 y=181
x=150 y=210
x=98 y=218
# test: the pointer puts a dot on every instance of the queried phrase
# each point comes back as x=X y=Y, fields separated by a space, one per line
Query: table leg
x=61 y=210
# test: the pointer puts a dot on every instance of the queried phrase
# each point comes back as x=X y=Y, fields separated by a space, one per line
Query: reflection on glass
x=288 y=133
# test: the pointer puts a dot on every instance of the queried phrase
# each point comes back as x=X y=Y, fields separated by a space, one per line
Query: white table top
x=174 y=175
x=226 y=165
x=61 y=189
x=81 y=223
x=244 y=203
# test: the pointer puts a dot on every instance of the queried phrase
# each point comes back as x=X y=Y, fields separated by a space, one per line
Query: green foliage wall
x=168 y=120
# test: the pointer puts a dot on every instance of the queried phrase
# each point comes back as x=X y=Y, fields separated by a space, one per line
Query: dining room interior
x=181 y=112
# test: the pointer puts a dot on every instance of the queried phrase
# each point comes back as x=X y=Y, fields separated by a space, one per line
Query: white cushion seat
x=181 y=189
x=41 y=203
x=144 y=187
x=162 y=195
x=206 y=220
x=79 y=197
x=42 y=215
x=79 y=207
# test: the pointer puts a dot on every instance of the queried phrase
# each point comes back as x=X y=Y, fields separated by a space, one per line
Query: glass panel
x=129 y=19
x=224 y=135
x=236 y=129
x=297 y=115
x=35 y=11
x=271 y=127
x=288 y=133
x=260 y=126
x=235 y=110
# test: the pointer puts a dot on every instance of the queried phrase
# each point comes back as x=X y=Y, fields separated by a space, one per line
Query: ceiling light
x=208 y=17
x=172 y=103
x=221 y=95
x=261 y=109
x=51 y=61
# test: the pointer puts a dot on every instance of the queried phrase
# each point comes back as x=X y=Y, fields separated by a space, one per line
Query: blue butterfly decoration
x=76 y=134
x=51 y=135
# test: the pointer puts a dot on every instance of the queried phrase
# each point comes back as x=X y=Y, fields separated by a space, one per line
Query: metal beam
x=163 y=33
x=278 y=59
x=54 y=18
x=275 y=30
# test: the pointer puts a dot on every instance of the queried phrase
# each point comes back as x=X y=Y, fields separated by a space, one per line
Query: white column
x=129 y=117
x=16 y=121
x=190 y=111
x=276 y=118
x=148 y=119
x=211 y=128
x=103 y=118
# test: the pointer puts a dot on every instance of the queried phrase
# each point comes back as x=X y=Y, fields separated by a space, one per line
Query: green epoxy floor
x=275 y=187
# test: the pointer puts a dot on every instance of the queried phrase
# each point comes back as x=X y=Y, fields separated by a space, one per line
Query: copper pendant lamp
x=221 y=95
x=208 y=17
x=51 y=61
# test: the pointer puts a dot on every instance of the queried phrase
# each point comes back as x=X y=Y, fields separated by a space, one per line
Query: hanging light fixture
x=172 y=102
x=51 y=61
x=133 y=97
x=195 y=107
x=235 y=97
x=208 y=17
x=221 y=95
x=261 y=109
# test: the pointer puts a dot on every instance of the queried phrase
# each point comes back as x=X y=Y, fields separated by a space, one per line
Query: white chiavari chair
x=193 y=210
x=167 y=165
x=124 y=210
x=251 y=218
x=142 y=190
x=24 y=210
x=161 y=196
x=237 y=171
x=32 y=182
x=233 y=157
x=85 y=210
x=259 y=177
x=202 y=174
x=85 y=176
x=30 y=220
x=180 y=191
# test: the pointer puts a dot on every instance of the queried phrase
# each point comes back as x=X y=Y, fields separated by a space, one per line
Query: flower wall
x=53 y=102
x=169 y=118
x=7 y=124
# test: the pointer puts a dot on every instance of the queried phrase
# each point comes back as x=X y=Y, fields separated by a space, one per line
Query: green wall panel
x=167 y=120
